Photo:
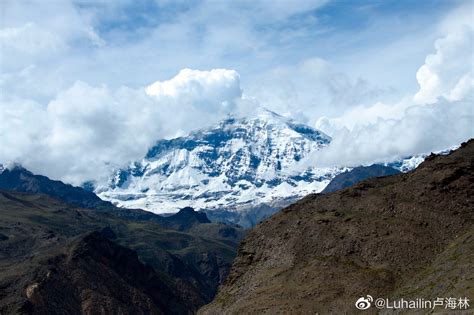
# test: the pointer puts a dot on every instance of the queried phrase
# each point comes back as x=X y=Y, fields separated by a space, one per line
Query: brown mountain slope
x=407 y=235
x=94 y=275
x=50 y=263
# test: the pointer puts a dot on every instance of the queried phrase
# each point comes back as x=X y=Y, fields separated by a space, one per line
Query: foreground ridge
x=407 y=235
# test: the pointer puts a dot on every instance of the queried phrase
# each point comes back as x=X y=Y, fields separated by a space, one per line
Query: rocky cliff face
x=407 y=235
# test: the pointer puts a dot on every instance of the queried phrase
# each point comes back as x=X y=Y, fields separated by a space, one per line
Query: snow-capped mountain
x=236 y=164
x=409 y=163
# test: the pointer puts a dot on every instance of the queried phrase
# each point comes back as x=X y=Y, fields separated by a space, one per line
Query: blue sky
x=333 y=30
x=158 y=38
x=347 y=67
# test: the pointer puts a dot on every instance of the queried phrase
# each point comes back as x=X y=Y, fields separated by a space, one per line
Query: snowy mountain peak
x=238 y=162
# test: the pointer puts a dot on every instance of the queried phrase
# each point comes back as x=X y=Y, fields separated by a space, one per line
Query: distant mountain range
x=239 y=171
x=20 y=179
x=63 y=248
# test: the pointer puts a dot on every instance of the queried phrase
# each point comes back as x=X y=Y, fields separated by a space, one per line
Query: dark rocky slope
x=357 y=174
x=50 y=263
x=185 y=219
x=95 y=275
x=20 y=179
x=408 y=235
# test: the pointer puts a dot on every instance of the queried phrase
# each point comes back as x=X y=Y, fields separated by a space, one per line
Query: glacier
x=237 y=164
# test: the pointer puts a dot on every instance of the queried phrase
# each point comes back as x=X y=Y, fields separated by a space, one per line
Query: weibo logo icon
x=364 y=303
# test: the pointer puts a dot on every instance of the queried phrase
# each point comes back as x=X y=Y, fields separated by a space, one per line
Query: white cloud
x=419 y=129
x=449 y=71
x=23 y=127
x=30 y=39
x=194 y=99
x=211 y=85
x=311 y=89
x=125 y=43
x=29 y=27
x=58 y=118
x=362 y=115
x=438 y=116
x=86 y=131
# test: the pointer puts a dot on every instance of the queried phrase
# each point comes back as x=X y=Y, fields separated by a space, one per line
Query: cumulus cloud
x=86 y=131
x=311 y=89
x=449 y=71
x=420 y=129
x=194 y=99
x=439 y=115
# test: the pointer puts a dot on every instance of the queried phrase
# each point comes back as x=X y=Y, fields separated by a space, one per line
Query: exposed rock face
x=408 y=235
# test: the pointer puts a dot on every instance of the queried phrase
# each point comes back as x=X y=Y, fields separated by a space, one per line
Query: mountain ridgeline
x=357 y=174
x=59 y=254
x=401 y=236
x=240 y=171
x=20 y=179
x=373 y=230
